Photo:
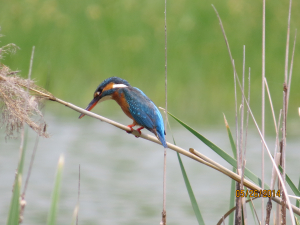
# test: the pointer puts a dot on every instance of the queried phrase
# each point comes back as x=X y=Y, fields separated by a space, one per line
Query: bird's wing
x=141 y=108
x=142 y=93
x=154 y=113
x=145 y=112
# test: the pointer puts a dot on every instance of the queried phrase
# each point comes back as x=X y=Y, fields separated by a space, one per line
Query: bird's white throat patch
x=119 y=86
x=107 y=97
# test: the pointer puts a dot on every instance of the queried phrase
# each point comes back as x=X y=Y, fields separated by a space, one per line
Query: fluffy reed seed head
x=19 y=106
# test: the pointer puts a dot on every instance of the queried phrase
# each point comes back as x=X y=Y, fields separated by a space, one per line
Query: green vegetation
x=55 y=195
x=191 y=193
x=80 y=43
x=229 y=159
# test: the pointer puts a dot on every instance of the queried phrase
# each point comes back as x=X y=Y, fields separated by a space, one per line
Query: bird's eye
x=96 y=94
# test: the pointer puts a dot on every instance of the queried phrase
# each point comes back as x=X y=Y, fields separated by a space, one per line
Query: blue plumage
x=134 y=103
x=145 y=112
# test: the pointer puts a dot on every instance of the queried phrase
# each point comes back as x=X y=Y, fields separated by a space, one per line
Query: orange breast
x=120 y=99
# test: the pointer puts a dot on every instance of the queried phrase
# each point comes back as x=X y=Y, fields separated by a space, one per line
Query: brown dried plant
x=18 y=105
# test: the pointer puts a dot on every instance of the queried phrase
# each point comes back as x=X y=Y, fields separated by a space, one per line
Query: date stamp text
x=257 y=193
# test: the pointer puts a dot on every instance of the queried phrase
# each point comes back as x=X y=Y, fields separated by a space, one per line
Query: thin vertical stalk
x=284 y=196
x=236 y=122
x=278 y=209
x=268 y=213
x=37 y=138
x=238 y=214
x=286 y=69
x=247 y=119
x=245 y=146
x=242 y=116
x=244 y=199
x=34 y=149
x=31 y=62
x=277 y=156
x=30 y=166
x=285 y=93
x=78 y=195
x=269 y=204
x=164 y=213
x=238 y=211
x=291 y=72
x=241 y=159
x=275 y=150
x=263 y=105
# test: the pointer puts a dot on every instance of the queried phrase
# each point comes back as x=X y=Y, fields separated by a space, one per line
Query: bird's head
x=105 y=91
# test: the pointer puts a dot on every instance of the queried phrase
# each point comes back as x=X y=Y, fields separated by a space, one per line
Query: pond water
x=121 y=176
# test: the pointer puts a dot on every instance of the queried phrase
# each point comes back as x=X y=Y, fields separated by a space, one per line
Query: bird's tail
x=162 y=139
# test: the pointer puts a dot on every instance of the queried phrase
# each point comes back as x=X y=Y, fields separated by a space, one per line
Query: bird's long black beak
x=92 y=104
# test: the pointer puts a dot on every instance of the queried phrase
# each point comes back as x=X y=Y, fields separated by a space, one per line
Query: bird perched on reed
x=134 y=103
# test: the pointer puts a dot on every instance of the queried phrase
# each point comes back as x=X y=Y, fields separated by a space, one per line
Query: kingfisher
x=134 y=103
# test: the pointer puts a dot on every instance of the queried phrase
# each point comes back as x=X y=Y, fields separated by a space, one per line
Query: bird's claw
x=139 y=130
x=129 y=132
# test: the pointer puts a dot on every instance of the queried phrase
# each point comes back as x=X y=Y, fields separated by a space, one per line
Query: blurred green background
x=80 y=43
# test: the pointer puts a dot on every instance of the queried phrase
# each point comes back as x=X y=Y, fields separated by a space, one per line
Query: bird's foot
x=130 y=126
x=139 y=129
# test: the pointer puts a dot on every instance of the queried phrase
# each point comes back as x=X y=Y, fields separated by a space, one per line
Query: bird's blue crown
x=115 y=80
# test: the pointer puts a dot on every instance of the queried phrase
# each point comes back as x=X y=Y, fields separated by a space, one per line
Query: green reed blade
x=298 y=202
x=14 y=210
x=191 y=193
x=55 y=193
x=221 y=152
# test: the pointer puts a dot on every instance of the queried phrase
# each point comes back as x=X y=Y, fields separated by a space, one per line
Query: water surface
x=121 y=176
